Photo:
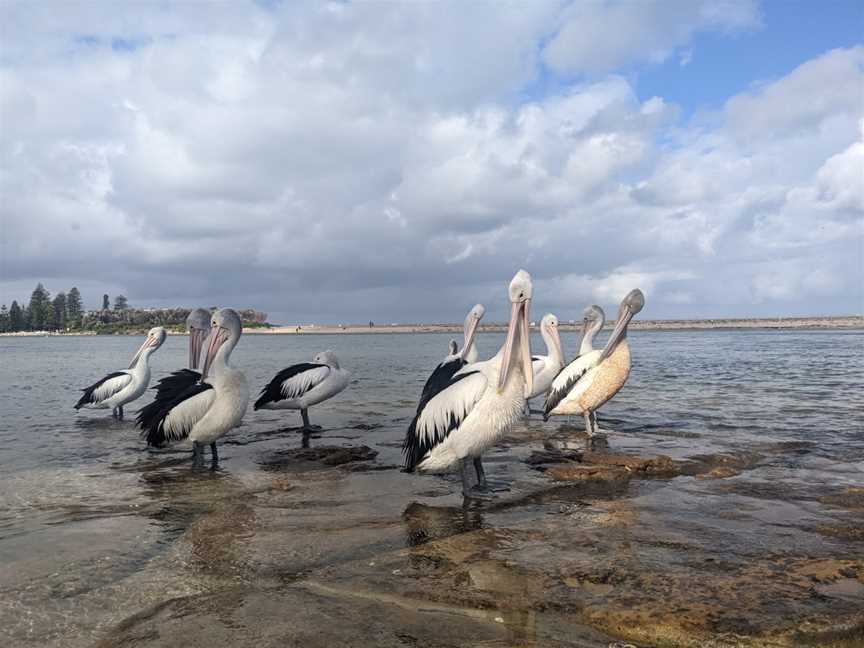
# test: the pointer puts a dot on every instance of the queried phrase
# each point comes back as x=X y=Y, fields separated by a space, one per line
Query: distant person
x=371 y=323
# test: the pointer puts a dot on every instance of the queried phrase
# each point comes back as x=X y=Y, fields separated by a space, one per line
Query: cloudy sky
x=400 y=161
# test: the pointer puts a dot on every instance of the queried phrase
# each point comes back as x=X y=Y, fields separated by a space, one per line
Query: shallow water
x=95 y=528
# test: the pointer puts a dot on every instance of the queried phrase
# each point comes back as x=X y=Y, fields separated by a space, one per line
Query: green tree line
x=64 y=312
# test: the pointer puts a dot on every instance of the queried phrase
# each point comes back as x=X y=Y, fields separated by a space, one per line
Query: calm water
x=86 y=510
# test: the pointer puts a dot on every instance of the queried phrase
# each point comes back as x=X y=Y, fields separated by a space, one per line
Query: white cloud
x=308 y=159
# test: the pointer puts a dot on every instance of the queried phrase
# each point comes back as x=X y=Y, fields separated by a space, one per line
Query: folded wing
x=567 y=381
x=293 y=382
x=172 y=417
x=104 y=389
x=440 y=414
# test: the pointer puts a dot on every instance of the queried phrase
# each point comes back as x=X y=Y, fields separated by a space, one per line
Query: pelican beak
x=149 y=342
x=556 y=338
x=470 y=334
x=617 y=332
x=216 y=339
x=197 y=337
x=519 y=319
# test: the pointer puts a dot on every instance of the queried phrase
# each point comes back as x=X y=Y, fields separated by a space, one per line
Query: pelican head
x=327 y=358
x=549 y=331
x=593 y=319
x=472 y=323
x=225 y=327
x=521 y=290
x=632 y=304
x=198 y=325
x=155 y=337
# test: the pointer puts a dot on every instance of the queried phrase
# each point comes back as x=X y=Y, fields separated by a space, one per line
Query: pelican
x=206 y=410
x=548 y=366
x=593 y=319
x=121 y=387
x=593 y=378
x=478 y=405
x=198 y=325
x=453 y=362
x=302 y=385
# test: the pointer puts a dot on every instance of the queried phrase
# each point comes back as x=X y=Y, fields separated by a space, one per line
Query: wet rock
x=303 y=617
x=304 y=458
x=660 y=466
x=569 y=472
x=844 y=532
x=720 y=466
x=851 y=498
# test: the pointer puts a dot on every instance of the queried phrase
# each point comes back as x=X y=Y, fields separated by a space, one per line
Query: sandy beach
x=850 y=321
x=827 y=322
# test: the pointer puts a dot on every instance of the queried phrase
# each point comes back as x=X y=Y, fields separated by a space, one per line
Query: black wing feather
x=415 y=447
x=438 y=380
x=272 y=392
x=177 y=382
x=151 y=418
x=88 y=391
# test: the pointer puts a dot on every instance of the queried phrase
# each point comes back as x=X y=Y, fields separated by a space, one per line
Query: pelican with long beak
x=209 y=409
x=548 y=366
x=477 y=405
x=121 y=387
x=588 y=382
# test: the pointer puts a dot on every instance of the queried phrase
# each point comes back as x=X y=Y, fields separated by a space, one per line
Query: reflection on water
x=766 y=426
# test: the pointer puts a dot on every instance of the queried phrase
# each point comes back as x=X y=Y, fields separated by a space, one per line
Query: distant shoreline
x=838 y=322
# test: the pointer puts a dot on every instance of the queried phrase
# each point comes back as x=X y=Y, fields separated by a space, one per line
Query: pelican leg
x=481 y=473
x=214 y=455
x=589 y=426
x=595 y=424
x=466 y=479
x=306 y=425
x=197 y=455
x=114 y=412
x=120 y=412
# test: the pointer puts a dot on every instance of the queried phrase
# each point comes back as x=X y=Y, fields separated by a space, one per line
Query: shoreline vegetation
x=819 y=322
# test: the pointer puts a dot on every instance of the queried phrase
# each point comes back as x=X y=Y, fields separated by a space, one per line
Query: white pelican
x=478 y=405
x=548 y=366
x=198 y=325
x=206 y=410
x=121 y=387
x=593 y=319
x=302 y=385
x=590 y=380
x=442 y=374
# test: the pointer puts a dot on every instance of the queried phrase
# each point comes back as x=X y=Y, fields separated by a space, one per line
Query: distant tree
x=106 y=303
x=16 y=318
x=38 y=300
x=4 y=319
x=120 y=303
x=25 y=319
x=59 y=304
x=73 y=307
